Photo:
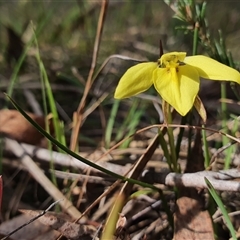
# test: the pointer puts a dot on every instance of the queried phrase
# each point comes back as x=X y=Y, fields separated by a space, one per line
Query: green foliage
x=221 y=206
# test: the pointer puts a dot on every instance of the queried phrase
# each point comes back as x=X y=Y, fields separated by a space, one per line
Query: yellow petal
x=179 y=87
x=137 y=79
x=212 y=69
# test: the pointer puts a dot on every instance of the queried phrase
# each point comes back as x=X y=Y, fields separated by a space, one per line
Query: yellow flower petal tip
x=137 y=79
x=175 y=77
x=213 y=70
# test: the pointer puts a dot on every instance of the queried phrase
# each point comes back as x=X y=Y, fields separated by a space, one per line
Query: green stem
x=224 y=125
x=172 y=143
x=19 y=63
x=195 y=38
x=205 y=148
x=180 y=136
x=164 y=147
x=111 y=122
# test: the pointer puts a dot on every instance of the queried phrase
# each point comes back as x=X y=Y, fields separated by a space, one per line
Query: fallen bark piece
x=42 y=179
x=73 y=231
x=29 y=232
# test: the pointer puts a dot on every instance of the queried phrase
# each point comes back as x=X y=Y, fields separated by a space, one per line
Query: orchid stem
x=224 y=125
x=195 y=38
x=205 y=148
x=171 y=142
x=164 y=147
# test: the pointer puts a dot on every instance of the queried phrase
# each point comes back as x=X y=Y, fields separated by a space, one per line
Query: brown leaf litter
x=191 y=220
x=15 y=126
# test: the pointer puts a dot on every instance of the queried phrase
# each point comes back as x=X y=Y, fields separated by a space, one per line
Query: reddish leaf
x=14 y=125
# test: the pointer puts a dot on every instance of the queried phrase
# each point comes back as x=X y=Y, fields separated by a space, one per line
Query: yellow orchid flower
x=175 y=77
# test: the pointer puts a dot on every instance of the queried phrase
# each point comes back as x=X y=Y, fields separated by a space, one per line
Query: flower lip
x=173 y=60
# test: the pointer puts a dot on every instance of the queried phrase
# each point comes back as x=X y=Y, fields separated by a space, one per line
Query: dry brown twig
x=135 y=173
x=79 y=113
x=220 y=180
x=40 y=177
x=60 y=158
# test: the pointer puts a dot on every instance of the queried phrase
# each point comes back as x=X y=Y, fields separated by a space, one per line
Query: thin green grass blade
x=111 y=120
x=53 y=176
x=164 y=147
x=132 y=126
x=75 y=155
x=224 y=111
x=122 y=129
x=140 y=192
x=17 y=67
x=222 y=208
x=42 y=72
x=130 y=122
x=47 y=87
x=72 y=81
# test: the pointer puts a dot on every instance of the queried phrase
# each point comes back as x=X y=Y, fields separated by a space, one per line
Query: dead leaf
x=29 y=232
x=14 y=125
x=56 y=221
x=121 y=232
x=121 y=221
x=191 y=221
